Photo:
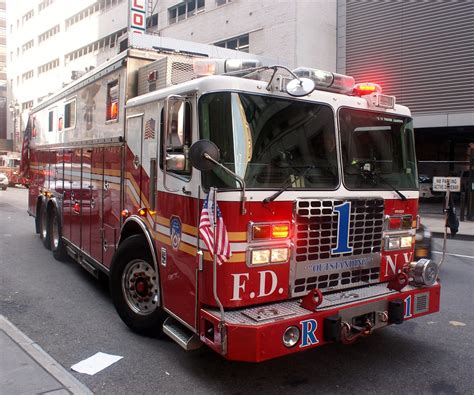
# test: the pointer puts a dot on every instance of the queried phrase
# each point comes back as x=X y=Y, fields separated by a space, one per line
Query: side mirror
x=175 y=162
x=204 y=155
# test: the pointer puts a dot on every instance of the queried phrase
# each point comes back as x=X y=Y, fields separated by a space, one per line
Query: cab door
x=178 y=210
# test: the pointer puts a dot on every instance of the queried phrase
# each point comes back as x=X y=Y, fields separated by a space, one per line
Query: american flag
x=149 y=129
x=206 y=230
x=24 y=164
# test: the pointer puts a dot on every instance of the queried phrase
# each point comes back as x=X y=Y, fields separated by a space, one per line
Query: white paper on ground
x=96 y=363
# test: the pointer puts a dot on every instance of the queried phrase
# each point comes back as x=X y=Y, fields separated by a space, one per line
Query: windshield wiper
x=373 y=176
x=289 y=181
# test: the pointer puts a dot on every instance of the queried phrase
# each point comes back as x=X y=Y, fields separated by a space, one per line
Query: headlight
x=279 y=255
x=419 y=236
x=260 y=257
x=406 y=242
x=398 y=242
x=291 y=336
x=269 y=255
x=424 y=272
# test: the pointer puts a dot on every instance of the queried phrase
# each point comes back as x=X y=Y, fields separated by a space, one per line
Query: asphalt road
x=70 y=315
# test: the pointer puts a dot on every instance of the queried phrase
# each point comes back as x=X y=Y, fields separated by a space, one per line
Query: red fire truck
x=10 y=166
x=308 y=178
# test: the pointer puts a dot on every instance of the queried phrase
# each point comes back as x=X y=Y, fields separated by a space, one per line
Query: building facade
x=423 y=53
x=420 y=51
x=5 y=140
x=51 y=42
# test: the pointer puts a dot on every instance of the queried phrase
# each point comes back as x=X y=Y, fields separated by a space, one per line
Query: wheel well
x=132 y=228
x=39 y=202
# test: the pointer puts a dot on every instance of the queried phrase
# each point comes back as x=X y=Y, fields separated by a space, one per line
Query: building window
x=51 y=119
x=152 y=21
x=48 y=66
x=48 y=33
x=184 y=10
x=222 y=2
x=44 y=4
x=26 y=46
x=98 y=6
x=27 y=16
x=70 y=114
x=27 y=105
x=96 y=46
x=27 y=75
x=112 y=101
x=240 y=43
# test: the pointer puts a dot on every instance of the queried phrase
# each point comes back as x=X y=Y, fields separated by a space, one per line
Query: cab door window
x=176 y=137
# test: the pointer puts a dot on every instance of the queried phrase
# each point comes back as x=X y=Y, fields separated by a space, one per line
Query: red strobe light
x=366 y=88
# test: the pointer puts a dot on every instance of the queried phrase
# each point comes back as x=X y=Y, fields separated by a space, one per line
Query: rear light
x=125 y=213
x=366 y=88
x=394 y=223
x=261 y=232
x=267 y=231
x=280 y=231
x=404 y=222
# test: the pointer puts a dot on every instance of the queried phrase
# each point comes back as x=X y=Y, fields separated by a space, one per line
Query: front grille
x=316 y=228
x=335 y=280
x=316 y=236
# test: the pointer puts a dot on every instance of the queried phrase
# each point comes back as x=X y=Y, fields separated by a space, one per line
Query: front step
x=181 y=335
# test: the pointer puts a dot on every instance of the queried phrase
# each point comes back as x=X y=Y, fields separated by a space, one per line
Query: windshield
x=377 y=150
x=270 y=141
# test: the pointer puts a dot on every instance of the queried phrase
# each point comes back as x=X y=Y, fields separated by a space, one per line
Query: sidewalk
x=25 y=368
x=435 y=223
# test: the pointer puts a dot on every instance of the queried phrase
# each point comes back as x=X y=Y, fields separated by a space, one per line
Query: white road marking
x=456 y=255
x=457 y=323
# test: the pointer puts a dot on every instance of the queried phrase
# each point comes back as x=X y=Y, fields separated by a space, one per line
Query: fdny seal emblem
x=175 y=232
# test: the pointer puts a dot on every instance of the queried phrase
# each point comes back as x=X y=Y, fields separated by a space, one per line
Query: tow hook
x=350 y=333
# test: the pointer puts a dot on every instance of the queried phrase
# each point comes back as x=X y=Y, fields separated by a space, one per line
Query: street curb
x=440 y=235
x=43 y=359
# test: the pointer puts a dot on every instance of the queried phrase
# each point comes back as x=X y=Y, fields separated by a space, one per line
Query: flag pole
x=213 y=192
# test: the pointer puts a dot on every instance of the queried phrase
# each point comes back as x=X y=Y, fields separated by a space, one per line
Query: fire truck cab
x=314 y=176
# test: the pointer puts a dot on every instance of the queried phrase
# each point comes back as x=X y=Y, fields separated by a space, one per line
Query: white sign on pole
x=137 y=17
x=440 y=184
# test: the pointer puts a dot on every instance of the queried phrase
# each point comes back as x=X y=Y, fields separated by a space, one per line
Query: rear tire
x=58 y=246
x=44 y=226
x=135 y=287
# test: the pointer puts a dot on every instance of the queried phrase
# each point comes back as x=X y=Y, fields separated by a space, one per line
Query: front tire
x=135 y=287
x=57 y=243
x=44 y=226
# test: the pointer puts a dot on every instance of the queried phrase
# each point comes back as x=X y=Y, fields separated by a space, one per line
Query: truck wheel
x=44 y=227
x=57 y=244
x=134 y=287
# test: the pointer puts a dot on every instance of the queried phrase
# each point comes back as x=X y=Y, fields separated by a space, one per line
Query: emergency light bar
x=204 y=67
x=325 y=80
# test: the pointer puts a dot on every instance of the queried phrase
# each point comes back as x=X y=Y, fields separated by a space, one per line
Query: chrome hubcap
x=140 y=287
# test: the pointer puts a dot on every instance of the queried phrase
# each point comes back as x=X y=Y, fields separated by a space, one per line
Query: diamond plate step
x=181 y=335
